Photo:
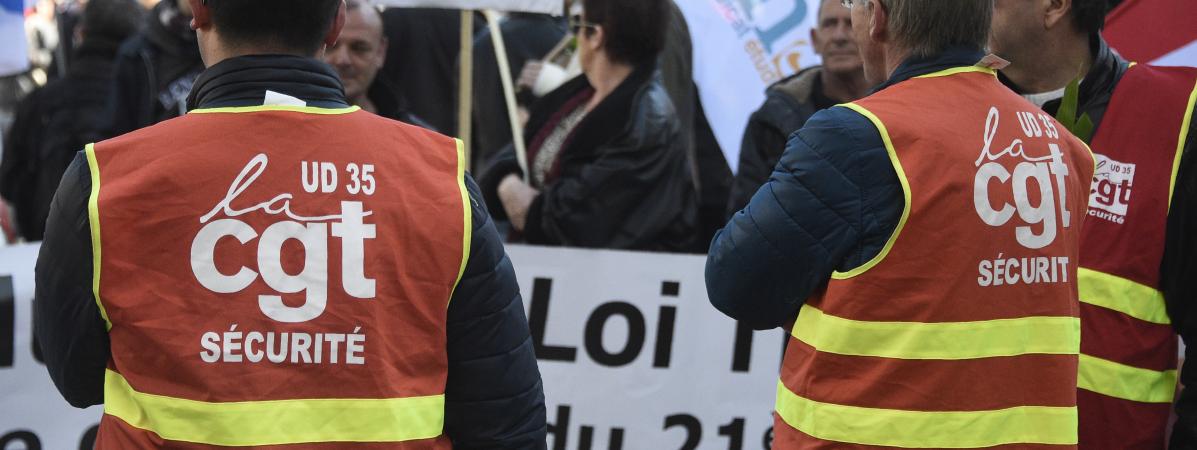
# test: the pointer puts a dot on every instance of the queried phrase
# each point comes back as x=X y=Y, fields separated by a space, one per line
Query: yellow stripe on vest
x=926 y=429
x=1120 y=294
x=93 y=220
x=1125 y=382
x=947 y=341
x=275 y=422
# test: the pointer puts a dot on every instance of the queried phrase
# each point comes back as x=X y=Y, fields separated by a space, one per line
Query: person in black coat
x=54 y=122
x=608 y=166
x=154 y=71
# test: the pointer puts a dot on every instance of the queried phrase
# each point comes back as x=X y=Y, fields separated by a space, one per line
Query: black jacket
x=50 y=126
x=154 y=72
x=494 y=398
x=788 y=105
x=390 y=103
x=624 y=180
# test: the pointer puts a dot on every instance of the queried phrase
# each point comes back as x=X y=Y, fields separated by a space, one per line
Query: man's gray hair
x=928 y=27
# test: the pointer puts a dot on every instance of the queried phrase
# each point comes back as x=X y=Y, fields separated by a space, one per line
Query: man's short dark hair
x=294 y=25
x=634 y=29
x=1090 y=15
x=112 y=20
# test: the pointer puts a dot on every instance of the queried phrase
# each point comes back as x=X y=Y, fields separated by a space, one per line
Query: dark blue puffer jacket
x=831 y=204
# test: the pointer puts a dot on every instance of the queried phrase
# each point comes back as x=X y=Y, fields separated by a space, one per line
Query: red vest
x=963 y=332
x=1129 y=349
x=277 y=275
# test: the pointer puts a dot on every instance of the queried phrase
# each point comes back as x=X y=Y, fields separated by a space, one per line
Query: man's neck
x=844 y=87
x=607 y=76
x=1057 y=63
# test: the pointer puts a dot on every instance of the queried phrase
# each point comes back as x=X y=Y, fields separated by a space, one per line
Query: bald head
x=361 y=50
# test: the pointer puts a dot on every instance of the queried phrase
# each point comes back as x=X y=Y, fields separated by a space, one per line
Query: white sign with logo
x=632 y=356
x=740 y=48
x=1110 y=194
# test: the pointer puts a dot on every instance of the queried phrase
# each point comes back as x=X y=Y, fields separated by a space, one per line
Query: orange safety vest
x=964 y=331
x=1128 y=347
x=277 y=275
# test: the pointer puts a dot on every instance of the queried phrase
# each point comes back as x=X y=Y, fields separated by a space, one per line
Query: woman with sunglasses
x=607 y=164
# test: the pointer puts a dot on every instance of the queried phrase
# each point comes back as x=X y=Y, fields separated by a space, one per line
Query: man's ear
x=201 y=16
x=334 y=32
x=1055 y=12
x=878 y=21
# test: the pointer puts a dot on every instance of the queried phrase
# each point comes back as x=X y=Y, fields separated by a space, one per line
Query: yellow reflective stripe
x=945 y=341
x=1120 y=294
x=1125 y=382
x=468 y=234
x=93 y=220
x=927 y=429
x=893 y=159
x=958 y=70
x=1180 y=144
x=262 y=108
x=275 y=422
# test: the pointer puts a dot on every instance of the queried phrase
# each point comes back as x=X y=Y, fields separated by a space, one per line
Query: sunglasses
x=576 y=24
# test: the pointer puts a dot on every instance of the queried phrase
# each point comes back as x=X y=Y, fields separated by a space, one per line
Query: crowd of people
x=849 y=190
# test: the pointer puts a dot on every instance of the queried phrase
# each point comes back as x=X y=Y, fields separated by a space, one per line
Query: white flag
x=539 y=6
x=14 y=57
x=740 y=48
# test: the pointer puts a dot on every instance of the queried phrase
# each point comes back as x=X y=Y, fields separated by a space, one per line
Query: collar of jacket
x=915 y=66
x=1098 y=85
x=606 y=122
x=800 y=86
x=244 y=80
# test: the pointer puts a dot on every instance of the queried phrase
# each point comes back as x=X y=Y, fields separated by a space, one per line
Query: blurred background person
x=358 y=56
x=1139 y=260
x=608 y=165
x=790 y=102
x=155 y=70
x=529 y=37
x=57 y=120
x=421 y=62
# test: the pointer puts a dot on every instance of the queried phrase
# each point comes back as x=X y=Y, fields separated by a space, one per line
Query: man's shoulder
x=799 y=87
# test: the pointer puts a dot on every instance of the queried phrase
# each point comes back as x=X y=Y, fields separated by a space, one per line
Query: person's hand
x=529 y=74
x=516 y=197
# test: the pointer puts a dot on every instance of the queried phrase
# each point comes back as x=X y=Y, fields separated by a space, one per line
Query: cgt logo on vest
x=311 y=232
x=1110 y=194
x=1047 y=174
x=1043 y=170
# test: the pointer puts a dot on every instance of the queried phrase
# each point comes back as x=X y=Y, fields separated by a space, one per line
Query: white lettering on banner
x=633 y=355
x=1110 y=194
x=311 y=232
x=1043 y=170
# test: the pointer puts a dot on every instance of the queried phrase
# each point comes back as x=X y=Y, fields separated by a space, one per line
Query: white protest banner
x=14 y=57
x=740 y=48
x=32 y=412
x=634 y=357
x=540 y=6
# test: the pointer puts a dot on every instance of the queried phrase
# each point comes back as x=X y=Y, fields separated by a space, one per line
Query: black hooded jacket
x=50 y=127
x=154 y=71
